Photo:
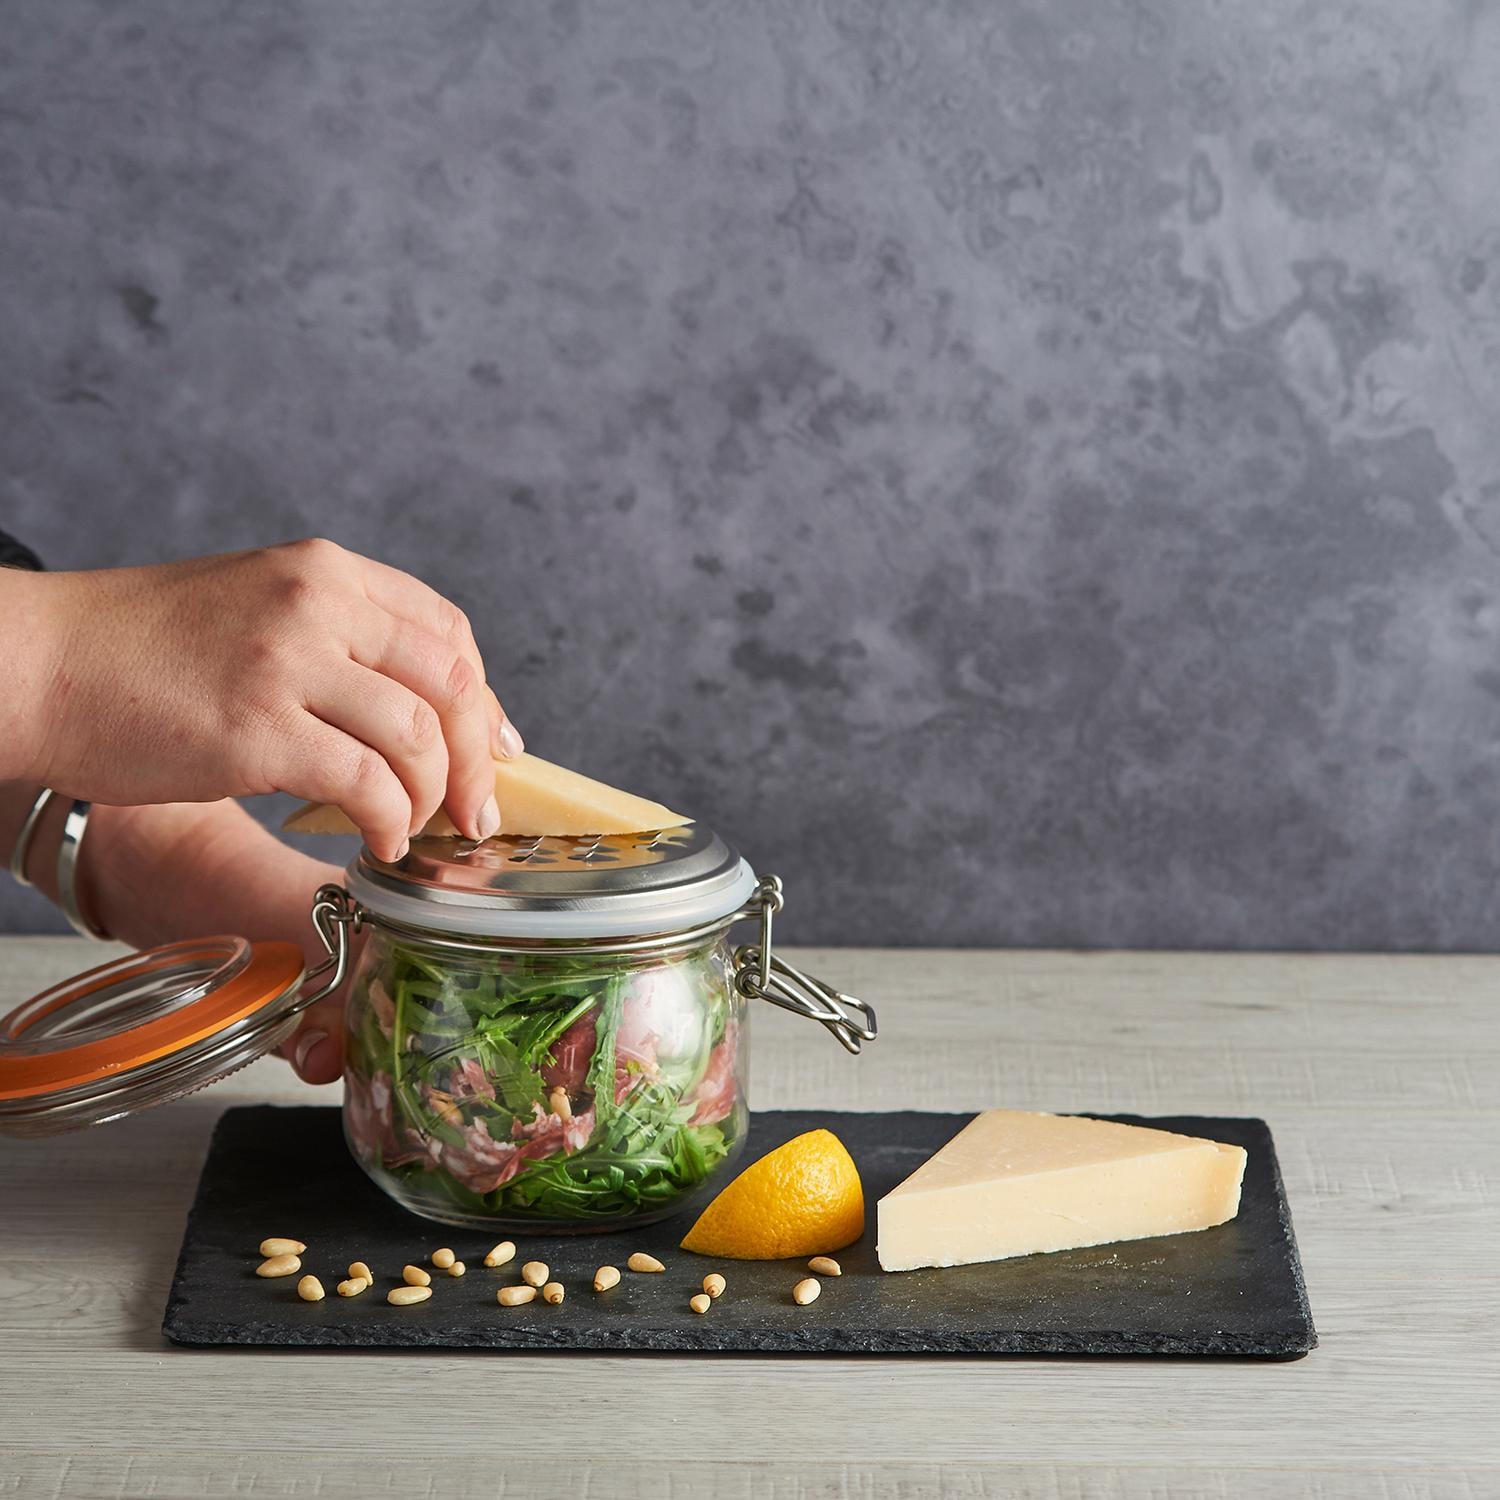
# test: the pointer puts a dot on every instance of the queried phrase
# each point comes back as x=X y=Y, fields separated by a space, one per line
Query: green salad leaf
x=476 y=1048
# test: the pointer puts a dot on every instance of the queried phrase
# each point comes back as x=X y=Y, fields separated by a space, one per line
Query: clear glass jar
x=543 y=1032
x=497 y=1087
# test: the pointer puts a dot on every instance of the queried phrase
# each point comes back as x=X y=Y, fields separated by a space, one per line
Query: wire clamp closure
x=760 y=975
x=335 y=915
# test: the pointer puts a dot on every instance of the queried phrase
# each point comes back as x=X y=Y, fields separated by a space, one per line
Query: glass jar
x=560 y=1091
x=551 y=1034
x=542 y=1034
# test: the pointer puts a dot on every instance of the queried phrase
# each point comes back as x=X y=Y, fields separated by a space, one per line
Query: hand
x=301 y=668
x=152 y=875
x=159 y=874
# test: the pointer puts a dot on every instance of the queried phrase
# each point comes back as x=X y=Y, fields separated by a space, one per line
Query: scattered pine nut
x=553 y=1293
x=310 y=1289
x=825 y=1265
x=353 y=1287
x=503 y=1252
x=561 y=1105
x=806 y=1291
x=359 y=1268
x=442 y=1259
x=606 y=1277
x=415 y=1276
x=275 y=1246
x=279 y=1265
x=535 y=1273
x=515 y=1296
x=405 y=1296
x=640 y=1261
x=713 y=1284
x=701 y=1303
x=457 y=1268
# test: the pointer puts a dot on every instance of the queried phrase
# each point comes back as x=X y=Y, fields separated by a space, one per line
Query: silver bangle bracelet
x=74 y=827
x=19 y=854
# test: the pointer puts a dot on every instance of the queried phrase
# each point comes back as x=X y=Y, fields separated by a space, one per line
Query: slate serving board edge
x=285 y=1322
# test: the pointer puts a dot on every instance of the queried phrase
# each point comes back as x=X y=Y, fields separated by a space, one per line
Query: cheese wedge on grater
x=536 y=799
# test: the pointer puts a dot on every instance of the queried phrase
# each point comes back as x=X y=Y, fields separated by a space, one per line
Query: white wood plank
x=277 y=1475
x=1377 y=1076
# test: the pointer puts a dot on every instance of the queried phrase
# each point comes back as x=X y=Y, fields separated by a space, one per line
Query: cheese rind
x=536 y=798
x=1016 y=1183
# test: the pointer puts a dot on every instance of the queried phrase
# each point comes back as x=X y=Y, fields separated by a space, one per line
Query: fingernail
x=402 y=852
x=511 y=743
x=489 y=818
x=305 y=1043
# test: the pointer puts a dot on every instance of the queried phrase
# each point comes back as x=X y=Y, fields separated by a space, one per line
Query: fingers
x=316 y=1048
x=496 y=716
x=319 y=762
x=442 y=677
x=505 y=739
x=422 y=672
x=411 y=600
x=399 y=724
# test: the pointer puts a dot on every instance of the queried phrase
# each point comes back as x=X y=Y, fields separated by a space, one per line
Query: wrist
x=155 y=874
x=122 y=865
x=31 y=674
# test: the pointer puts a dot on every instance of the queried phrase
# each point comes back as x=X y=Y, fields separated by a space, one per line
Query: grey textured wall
x=1028 y=473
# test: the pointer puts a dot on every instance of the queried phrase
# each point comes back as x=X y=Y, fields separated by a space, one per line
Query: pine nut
x=405 y=1296
x=640 y=1261
x=359 y=1268
x=806 y=1291
x=515 y=1296
x=279 y=1265
x=415 y=1276
x=275 y=1246
x=353 y=1287
x=825 y=1265
x=701 y=1303
x=535 y=1273
x=553 y=1292
x=442 y=1259
x=606 y=1277
x=503 y=1252
x=457 y=1268
x=310 y=1289
x=713 y=1284
x=561 y=1106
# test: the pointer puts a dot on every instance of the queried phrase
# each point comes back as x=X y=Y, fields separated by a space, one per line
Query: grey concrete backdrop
x=1028 y=473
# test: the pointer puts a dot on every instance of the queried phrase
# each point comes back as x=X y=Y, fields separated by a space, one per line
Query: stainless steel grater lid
x=609 y=885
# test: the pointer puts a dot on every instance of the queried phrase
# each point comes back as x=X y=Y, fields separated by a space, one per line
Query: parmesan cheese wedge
x=1015 y=1183
x=537 y=799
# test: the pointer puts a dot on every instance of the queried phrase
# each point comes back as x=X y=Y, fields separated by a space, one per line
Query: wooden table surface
x=1378 y=1076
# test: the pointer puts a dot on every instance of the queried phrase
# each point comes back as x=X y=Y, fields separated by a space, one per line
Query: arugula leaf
x=465 y=1027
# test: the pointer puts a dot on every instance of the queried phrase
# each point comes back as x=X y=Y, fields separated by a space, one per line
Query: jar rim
x=556 y=889
x=644 y=943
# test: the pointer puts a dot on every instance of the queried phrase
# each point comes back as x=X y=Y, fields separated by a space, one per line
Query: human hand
x=301 y=668
x=163 y=873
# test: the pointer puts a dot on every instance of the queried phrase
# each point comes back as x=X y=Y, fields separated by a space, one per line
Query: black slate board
x=1235 y=1290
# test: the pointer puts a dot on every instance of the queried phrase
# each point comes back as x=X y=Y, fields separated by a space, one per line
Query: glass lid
x=599 y=886
x=143 y=1029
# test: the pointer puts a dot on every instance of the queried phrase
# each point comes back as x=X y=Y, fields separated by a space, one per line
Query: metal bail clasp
x=334 y=914
x=760 y=975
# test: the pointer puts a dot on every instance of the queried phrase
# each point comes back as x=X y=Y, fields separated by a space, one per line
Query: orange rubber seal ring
x=272 y=969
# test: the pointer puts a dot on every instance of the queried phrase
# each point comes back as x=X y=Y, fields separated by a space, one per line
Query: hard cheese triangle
x=535 y=798
x=1013 y=1183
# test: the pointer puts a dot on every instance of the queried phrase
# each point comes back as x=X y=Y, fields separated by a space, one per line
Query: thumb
x=316 y=1048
